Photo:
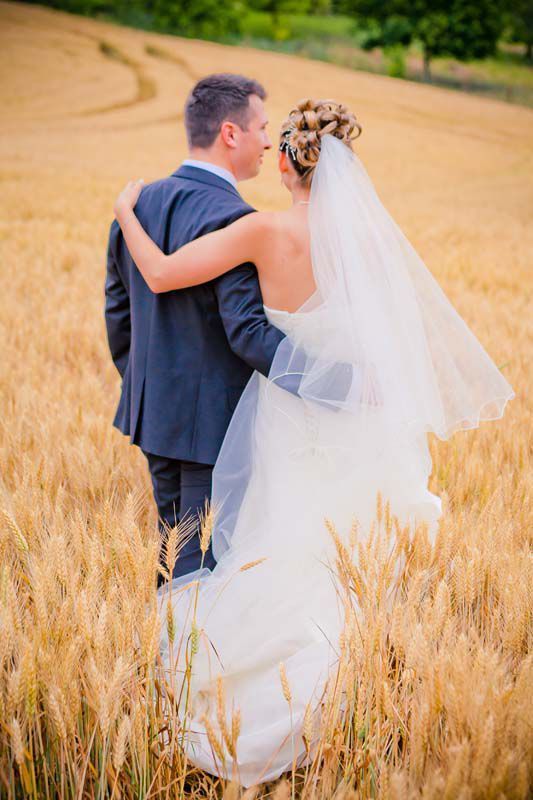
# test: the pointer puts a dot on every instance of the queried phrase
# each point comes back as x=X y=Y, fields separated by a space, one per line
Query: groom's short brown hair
x=218 y=97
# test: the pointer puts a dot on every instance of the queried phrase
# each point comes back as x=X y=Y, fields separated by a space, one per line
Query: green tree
x=208 y=19
x=459 y=28
x=204 y=18
x=276 y=8
x=520 y=16
x=321 y=7
x=86 y=7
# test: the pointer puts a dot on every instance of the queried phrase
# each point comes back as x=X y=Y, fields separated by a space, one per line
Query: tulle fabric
x=380 y=358
x=380 y=311
x=284 y=468
x=378 y=345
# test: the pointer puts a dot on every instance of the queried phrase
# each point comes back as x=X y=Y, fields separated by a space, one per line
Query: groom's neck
x=212 y=157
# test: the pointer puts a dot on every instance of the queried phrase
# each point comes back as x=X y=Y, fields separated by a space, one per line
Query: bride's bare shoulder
x=262 y=221
x=265 y=232
x=260 y=227
x=268 y=221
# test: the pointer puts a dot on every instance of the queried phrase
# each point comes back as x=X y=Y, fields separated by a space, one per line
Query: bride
x=340 y=279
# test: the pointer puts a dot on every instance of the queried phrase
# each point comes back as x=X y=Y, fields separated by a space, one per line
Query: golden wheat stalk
x=285 y=683
x=216 y=744
x=221 y=714
x=251 y=564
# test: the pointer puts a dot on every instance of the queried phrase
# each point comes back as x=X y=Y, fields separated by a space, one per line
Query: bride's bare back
x=283 y=258
x=276 y=242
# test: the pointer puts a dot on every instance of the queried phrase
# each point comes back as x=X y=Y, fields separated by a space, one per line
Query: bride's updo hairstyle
x=302 y=131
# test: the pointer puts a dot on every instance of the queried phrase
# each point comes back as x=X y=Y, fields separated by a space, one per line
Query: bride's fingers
x=131 y=191
x=127 y=199
x=133 y=183
x=136 y=187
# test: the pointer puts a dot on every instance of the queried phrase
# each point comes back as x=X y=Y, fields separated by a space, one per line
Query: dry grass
x=439 y=682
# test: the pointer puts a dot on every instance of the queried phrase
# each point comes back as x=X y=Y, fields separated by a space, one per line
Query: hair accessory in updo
x=302 y=132
x=286 y=142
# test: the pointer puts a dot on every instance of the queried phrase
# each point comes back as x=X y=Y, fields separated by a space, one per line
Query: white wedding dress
x=286 y=607
x=291 y=461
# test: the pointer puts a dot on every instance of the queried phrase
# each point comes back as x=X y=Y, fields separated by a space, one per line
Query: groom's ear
x=229 y=134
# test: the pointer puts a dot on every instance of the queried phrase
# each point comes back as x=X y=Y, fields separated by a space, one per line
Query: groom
x=185 y=356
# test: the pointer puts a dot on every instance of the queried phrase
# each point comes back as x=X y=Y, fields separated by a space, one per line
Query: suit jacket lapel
x=204 y=176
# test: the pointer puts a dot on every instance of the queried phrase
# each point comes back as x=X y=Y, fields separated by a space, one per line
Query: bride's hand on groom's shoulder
x=128 y=197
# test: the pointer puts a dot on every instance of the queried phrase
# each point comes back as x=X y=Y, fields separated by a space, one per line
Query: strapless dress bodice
x=315 y=330
x=284 y=320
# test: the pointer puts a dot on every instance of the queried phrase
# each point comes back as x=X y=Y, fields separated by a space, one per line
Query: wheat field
x=440 y=686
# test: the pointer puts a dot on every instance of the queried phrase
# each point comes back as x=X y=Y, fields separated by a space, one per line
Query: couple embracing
x=286 y=366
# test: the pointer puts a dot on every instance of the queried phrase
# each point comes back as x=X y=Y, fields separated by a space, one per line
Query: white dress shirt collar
x=223 y=173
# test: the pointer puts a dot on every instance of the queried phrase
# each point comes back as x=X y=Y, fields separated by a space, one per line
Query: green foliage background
x=378 y=35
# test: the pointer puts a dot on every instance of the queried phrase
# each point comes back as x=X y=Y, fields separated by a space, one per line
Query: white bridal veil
x=378 y=342
x=387 y=315
x=375 y=359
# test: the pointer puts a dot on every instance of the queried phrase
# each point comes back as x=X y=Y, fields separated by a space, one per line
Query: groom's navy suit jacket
x=185 y=356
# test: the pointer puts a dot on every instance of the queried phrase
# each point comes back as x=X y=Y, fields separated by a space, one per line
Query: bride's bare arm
x=198 y=261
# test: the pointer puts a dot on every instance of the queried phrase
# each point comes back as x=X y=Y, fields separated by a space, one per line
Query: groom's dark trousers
x=180 y=491
x=184 y=356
